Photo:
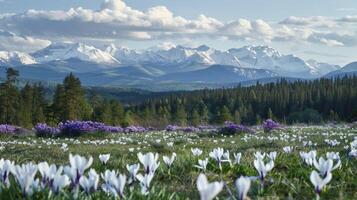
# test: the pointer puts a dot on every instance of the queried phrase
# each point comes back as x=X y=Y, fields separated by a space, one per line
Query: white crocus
x=149 y=161
x=226 y=157
x=272 y=155
x=208 y=191
x=133 y=170
x=48 y=172
x=78 y=165
x=325 y=166
x=90 y=184
x=288 y=149
x=318 y=182
x=114 y=184
x=25 y=177
x=259 y=155
x=202 y=164
x=196 y=151
x=59 y=182
x=104 y=158
x=237 y=157
x=309 y=157
x=263 y=168
x=333 y=155
x=5 y=168
x=168 y=161
x=145 y=182
x=242 y=185
x=217 y=155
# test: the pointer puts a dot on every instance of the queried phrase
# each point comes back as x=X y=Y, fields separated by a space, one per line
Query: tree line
x=302 y=101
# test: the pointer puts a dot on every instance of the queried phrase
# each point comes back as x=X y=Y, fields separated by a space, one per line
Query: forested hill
x=301 y=101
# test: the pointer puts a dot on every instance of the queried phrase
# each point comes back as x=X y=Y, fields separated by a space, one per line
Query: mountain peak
x=203 y=48
x=16 y=58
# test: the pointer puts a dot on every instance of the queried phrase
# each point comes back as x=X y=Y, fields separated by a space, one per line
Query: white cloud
x=11 y=42
x=115 y=20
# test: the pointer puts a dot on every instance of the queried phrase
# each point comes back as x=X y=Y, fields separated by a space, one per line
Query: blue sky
x=321 y=29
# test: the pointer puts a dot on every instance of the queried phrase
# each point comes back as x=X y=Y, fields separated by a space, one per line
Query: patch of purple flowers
x=231 y=128
x=42 y=129
x=188 y=129
x=269 y=125
x=7 y=129
x=171 y=128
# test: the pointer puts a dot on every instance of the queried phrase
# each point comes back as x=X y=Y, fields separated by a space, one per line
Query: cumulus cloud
x=116 y=20
x=11 y=42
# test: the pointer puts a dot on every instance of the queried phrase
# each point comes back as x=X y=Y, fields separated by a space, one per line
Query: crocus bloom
x=207 y=190
x=168 y=161
x=78 y=165
x=5 y=168
x=325 y=166
x=318 y=182
x=48 y=172
x=202 y=164
x=242 y=185
x=237 y=157
x=259 y=156
x=262 y=168
x=59 y=182
x=114 y=184
x=133 y=170
x=104 y=158
x=288 y=149
x=272 y=155
x=217 y=154
x=196 y=151
x=145 y=182
x=90 y=184
x=149 y=161
x=25 y=177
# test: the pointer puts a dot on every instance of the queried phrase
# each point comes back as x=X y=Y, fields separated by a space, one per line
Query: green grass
x=288 y=180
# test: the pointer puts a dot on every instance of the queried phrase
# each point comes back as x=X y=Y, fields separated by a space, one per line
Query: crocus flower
x=78 y=165
x=59 y=182
x=202 y=164
x=272 y=155
x=133 y=170
x=104 y=158
x=237 y=157
x=90 y=184
x=5 y=168
x=318 y=182
x=196 y=151
x=207 y=190
x=217 y=154
x=333 y=155
x=145 y=182
x=288 y=149
x=262 y=168
x=242 y=185
x=149 y=161
x=114 y=184
x=168 y=161
x=325 y=166
x=25 y=177
x=48 y=172
x=259 y=156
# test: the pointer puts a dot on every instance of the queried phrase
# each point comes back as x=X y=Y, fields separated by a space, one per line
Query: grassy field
x=289 y=179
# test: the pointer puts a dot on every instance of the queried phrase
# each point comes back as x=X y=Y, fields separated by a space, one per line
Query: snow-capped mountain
x=15 y=58
x=264 y=57
x=68 y=50
x=169 y=64
x=349 y=70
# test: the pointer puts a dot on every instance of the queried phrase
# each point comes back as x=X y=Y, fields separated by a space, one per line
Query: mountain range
x=175 y=65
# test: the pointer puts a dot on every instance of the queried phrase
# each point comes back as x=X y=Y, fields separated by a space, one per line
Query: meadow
x=271 y=165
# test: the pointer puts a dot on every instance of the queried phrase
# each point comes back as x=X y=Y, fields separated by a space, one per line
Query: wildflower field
x=295 y=162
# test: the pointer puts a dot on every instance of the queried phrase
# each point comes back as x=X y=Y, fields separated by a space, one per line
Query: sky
x=325 y=30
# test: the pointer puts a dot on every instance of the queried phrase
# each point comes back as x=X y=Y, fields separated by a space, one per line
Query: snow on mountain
x=15 y=58
x=68 y=50
x=322 y=68
x=348 y=70
x=218 y=74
